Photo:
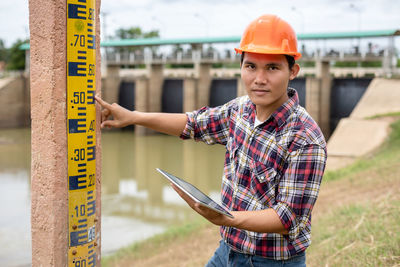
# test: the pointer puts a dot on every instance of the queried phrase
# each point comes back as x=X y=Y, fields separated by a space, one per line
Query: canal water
x=137 y=202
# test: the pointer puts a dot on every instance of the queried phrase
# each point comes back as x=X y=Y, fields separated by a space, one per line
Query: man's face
x=266 y=78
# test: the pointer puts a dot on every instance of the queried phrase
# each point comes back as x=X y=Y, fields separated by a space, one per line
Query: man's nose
x=261 y=77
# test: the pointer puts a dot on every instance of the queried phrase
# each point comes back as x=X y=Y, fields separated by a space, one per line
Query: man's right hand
x=121 y=117
x=168 y=123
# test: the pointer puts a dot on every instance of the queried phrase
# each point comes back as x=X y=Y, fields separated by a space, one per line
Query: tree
x=3 y=51
x=134 y=33
x=16 y=56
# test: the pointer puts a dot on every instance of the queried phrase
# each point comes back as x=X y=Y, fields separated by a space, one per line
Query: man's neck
x=264 y=112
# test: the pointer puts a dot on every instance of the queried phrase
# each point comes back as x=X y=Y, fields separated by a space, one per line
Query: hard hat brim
x=295 y=55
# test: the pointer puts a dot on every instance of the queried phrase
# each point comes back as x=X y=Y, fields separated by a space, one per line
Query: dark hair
x=289 y=59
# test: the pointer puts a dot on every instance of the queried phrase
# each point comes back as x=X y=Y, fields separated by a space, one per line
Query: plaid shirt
x=278 y=164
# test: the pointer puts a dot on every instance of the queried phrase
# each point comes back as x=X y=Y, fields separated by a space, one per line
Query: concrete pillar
x=49 y=170
x=49 y=140
x=156 y=80
x=189 y=94
x=318 y=92
x=110 y=88
x=203 y=73
x=323 y=73
x=141 y=101
x=313 y=86
x=389 y=59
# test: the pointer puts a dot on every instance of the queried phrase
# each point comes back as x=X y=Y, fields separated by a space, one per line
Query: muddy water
x=137 y=202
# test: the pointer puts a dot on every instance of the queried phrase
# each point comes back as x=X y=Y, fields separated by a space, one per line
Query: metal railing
x=191 y=57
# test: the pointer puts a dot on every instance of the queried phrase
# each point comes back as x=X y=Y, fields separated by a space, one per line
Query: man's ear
x=294 y=71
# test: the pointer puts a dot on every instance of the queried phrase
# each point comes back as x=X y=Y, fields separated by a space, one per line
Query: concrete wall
x=14 y=102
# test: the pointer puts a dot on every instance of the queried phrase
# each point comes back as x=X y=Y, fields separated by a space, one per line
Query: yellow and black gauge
x=81 y=125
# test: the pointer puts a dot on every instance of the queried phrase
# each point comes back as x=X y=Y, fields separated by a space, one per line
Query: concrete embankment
x=14 y=102
x=360 y=133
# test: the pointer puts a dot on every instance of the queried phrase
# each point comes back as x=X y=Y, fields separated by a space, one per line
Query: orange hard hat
x=269 y=34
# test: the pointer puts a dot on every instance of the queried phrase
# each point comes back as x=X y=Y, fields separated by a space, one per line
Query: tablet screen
x=195 y=193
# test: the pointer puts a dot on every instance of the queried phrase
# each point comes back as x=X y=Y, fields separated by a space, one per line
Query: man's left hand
x=211 y=215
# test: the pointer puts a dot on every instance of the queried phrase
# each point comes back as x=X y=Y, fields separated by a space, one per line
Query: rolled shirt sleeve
x=210 y=125
x=298 y=188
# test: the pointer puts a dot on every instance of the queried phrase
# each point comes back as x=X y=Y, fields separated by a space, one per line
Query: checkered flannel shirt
x=278 y=164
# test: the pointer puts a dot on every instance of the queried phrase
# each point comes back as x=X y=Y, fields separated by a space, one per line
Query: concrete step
x=382 y=97
x=360 y=135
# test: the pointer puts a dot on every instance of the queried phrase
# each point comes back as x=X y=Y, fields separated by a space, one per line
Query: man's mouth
x=257 y=90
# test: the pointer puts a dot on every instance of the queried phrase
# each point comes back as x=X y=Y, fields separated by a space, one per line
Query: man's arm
x=169 y=123
x=298 y=192
x=262 y=221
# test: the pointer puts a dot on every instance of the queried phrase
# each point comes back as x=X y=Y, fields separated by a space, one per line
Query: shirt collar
x=281 y=114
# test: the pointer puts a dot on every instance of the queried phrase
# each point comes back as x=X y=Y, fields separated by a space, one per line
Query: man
x=275 y=156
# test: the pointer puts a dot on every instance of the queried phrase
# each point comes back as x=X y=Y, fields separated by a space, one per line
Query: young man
x=275 y=156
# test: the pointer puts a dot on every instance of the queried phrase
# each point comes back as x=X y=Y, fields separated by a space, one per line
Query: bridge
x=169 y=51
x=178 y=75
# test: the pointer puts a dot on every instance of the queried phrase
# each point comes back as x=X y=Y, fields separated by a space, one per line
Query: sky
x=209 y=18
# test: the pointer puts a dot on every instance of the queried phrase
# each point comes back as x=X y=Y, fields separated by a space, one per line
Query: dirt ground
x=197 y=248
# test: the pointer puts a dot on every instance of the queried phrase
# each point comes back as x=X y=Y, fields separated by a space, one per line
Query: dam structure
x=180 y=75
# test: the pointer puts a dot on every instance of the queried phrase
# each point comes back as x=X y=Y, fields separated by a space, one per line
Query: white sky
x=202 y=18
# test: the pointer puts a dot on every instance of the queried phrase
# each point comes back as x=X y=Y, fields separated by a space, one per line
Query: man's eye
x=272 y=68
x=250 y=67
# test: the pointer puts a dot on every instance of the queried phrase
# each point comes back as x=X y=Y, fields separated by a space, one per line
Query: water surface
x=137 y=202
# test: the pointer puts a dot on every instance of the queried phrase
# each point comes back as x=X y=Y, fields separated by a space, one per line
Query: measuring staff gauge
x=81 y=132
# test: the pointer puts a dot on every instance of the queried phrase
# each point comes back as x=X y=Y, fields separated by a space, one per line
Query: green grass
x=365 y=233
x=390 y=114
x=150 y=246
x=307 y=64
x=346 y=64
x=233 y=65
x=358 y=235
x=353 y=64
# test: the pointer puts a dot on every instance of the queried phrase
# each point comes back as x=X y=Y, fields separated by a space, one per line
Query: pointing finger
x=103 y=103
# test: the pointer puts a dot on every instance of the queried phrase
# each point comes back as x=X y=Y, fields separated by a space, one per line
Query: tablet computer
x=195 y=193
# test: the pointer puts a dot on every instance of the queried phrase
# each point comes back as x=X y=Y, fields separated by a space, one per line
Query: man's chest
x=249 y=146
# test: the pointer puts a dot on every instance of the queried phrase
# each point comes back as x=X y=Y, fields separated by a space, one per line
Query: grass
x=353 y=64
x=391 y=114
x=366 y=233
x=358 y=235
x=150 y=246
x=363 y=233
